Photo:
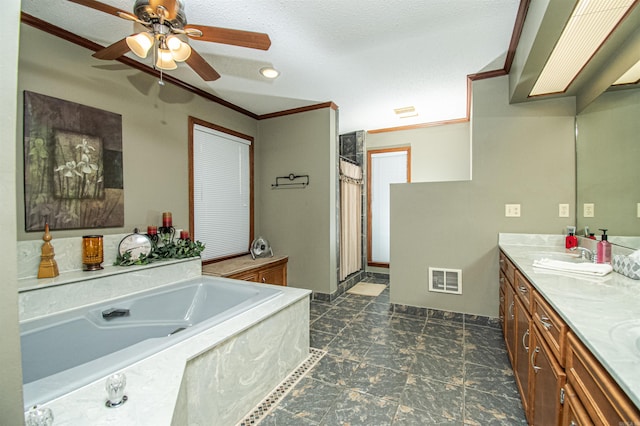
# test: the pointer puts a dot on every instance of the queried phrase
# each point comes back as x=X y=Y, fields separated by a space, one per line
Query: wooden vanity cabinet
x=603 y=400
x=269 y=270
x=559 y=379
x=272 y=273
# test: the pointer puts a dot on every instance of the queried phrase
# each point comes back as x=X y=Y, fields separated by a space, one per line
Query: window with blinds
x=221 y=192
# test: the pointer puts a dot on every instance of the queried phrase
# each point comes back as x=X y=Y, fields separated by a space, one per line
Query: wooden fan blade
x=113 y=51
x=234 y=37
x=202 y=67
x=100 y=6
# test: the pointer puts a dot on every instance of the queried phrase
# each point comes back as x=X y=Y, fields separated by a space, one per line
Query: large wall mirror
x=608 y=165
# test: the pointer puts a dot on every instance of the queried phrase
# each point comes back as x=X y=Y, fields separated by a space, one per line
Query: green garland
x=178 y=249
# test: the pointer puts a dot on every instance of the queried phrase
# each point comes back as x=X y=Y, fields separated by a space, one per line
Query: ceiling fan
x=166 y=34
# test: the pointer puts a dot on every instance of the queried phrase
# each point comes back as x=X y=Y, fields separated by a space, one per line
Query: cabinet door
x=510 y=323
x=546 y=379
x=274 y=275
x=573 y=413
x=522 y=343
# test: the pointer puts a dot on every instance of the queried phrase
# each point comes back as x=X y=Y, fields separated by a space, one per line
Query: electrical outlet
x=563 y=210
x=512 y=210
x=589 y=210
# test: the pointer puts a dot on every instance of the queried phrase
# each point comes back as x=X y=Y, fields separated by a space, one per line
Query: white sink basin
x=552 y=255
x=627 y=335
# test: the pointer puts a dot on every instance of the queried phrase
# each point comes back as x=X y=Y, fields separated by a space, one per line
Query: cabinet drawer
x=524 y=290
x=601 y=397
x=507 y=267
x=552 y=328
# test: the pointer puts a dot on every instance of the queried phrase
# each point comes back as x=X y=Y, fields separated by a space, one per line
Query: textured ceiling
x=367 y=56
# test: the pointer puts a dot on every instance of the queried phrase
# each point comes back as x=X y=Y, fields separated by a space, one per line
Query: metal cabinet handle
x=511 y=310
x=501 y=299
x=524 y=336
x=501 y=262
x=501 y=280
x=533 y=361
x=264 y=279
x=545 y=321
x=573 y=423
x=522 y=289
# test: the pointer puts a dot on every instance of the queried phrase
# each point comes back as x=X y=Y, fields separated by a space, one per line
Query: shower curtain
x=350 y=218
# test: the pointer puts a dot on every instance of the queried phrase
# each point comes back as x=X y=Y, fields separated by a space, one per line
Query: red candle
x=166 y=219
x=184 y=235
x=152 y=230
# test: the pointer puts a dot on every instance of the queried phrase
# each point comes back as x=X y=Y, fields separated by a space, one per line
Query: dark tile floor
x=385 y=368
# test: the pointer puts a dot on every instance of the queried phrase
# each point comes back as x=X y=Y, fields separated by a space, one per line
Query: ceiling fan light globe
x=165 y=60
x=140 y=44
x=180 y=51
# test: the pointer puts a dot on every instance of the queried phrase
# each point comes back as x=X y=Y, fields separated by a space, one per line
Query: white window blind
x=386 y=168
x=221 y=191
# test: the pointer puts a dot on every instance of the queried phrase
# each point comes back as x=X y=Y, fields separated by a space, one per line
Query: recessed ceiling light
x=632 y=75
x=588 y=27
x=269 y=72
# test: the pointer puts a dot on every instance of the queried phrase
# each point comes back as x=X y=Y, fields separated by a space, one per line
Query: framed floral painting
x=72 y=165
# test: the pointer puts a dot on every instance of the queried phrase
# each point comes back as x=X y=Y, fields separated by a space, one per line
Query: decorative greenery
x=178 y=249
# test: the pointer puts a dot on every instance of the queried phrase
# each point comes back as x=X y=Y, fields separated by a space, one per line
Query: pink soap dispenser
x=571 y=240
x=604 y=248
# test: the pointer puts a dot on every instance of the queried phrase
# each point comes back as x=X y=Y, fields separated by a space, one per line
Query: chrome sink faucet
x=585 y=253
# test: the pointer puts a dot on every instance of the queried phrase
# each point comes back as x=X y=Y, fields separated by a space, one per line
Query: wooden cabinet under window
x=267 y=270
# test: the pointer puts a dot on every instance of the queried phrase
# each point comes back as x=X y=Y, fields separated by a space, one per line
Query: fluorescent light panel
x=632 y=75
x=590 y=24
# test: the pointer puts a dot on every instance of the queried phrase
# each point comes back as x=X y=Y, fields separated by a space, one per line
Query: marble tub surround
x=223 y=371
x=40 y=297
x=595 y=309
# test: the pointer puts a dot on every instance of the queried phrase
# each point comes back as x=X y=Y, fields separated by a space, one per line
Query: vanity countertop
x=597 y=309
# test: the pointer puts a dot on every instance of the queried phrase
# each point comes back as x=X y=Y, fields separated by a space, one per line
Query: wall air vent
x=443 y=280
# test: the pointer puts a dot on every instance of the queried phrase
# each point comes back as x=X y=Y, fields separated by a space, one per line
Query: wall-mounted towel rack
x=303 y=181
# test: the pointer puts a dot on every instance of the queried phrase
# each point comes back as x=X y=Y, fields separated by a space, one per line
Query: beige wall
x=300 y=222
x=11 y=384
x=154 y=125
x=521 y=154
x=439 y=153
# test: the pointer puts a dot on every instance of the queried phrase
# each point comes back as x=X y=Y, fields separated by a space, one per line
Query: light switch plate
x=512 y=210
x=638 y=209
x=589 y=210
x=563 y=210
